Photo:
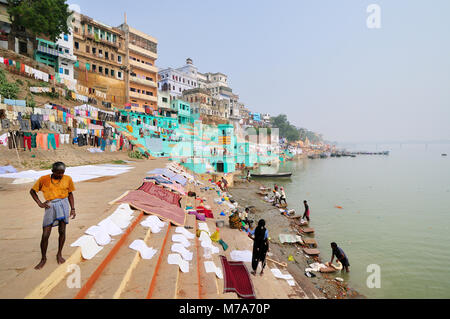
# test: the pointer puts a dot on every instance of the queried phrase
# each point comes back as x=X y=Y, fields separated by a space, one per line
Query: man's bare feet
x=253 y=273
x=60 y=260
x=41 y=264
x=262 y=273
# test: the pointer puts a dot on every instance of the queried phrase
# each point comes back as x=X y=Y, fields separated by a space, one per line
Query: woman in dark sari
x=260 y=246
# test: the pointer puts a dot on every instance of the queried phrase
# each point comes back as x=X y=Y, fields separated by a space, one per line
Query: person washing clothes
x=277 y=198
x=283 y=196
x=58 y=193
x=244 y=216
x=340 y=255
x=260 y=246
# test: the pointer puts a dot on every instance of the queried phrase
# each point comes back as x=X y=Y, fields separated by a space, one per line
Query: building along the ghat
x=175 y=81
x=142 y=78
x=101 y=53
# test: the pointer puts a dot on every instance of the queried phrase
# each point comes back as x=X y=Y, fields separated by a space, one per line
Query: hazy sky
x=316 y=60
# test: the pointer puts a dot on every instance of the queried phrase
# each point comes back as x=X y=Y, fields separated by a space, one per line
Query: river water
x=395 y=214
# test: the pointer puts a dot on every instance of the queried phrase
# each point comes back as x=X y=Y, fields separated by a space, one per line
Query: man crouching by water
x=57 y=189
x=340 y=255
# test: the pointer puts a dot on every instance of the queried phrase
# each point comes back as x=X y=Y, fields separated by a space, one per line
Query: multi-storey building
x=164 y=108
x=175 y=81
x=59 y=56
x=101 y=54
x=188 y=83
x=66 y=58
x=184 y=111
x=142 y=79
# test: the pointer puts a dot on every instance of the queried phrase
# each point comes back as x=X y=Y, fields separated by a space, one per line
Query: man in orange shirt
x=57 y=189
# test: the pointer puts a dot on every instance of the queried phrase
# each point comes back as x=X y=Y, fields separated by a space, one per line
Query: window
x=106 y=71
x=77 y=45
x=94 y=50
x=100 y=69
x=119 y=58
x=112 y=72
x=94 y=67
x=106 y=55
x=100 y=51
x=88 y=49
x=112 y=57
x=66 y=72
x=164 y=99
x=119 y=75
x=148 y=78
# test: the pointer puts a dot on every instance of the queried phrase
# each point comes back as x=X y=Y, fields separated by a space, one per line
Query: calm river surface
x=396 y=214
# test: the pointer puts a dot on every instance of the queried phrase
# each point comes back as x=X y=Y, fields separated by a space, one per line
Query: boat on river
x=273 y=175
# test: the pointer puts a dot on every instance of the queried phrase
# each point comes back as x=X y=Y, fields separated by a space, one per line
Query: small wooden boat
x=273 y=175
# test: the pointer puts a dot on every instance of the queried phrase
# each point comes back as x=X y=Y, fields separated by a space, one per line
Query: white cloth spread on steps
x=145 y=251
x=176 y=259
x=89 y=247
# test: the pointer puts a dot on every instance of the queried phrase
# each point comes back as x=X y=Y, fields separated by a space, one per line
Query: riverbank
x=323 y=284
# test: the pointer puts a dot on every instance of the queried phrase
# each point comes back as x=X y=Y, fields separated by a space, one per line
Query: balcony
x=92 y=37
x=47 y=50
x=143 y=66
x=145 y=97
x=67 y=56
x=142 y=51
x=143 y=81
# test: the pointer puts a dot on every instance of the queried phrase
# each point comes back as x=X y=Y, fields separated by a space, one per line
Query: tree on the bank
x=286 y=129
x=31 y=18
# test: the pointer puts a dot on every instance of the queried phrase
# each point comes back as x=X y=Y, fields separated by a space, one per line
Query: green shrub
x=53 y=95
x=135 y=154
x=30 y=101
x=2 y=76
x=9 y=90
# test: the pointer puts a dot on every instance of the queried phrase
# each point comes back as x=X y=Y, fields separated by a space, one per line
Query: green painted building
x=46 y=53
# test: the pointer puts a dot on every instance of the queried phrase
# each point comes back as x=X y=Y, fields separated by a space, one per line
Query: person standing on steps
x=260 y=246
x=57 y=189
x=306 y=214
